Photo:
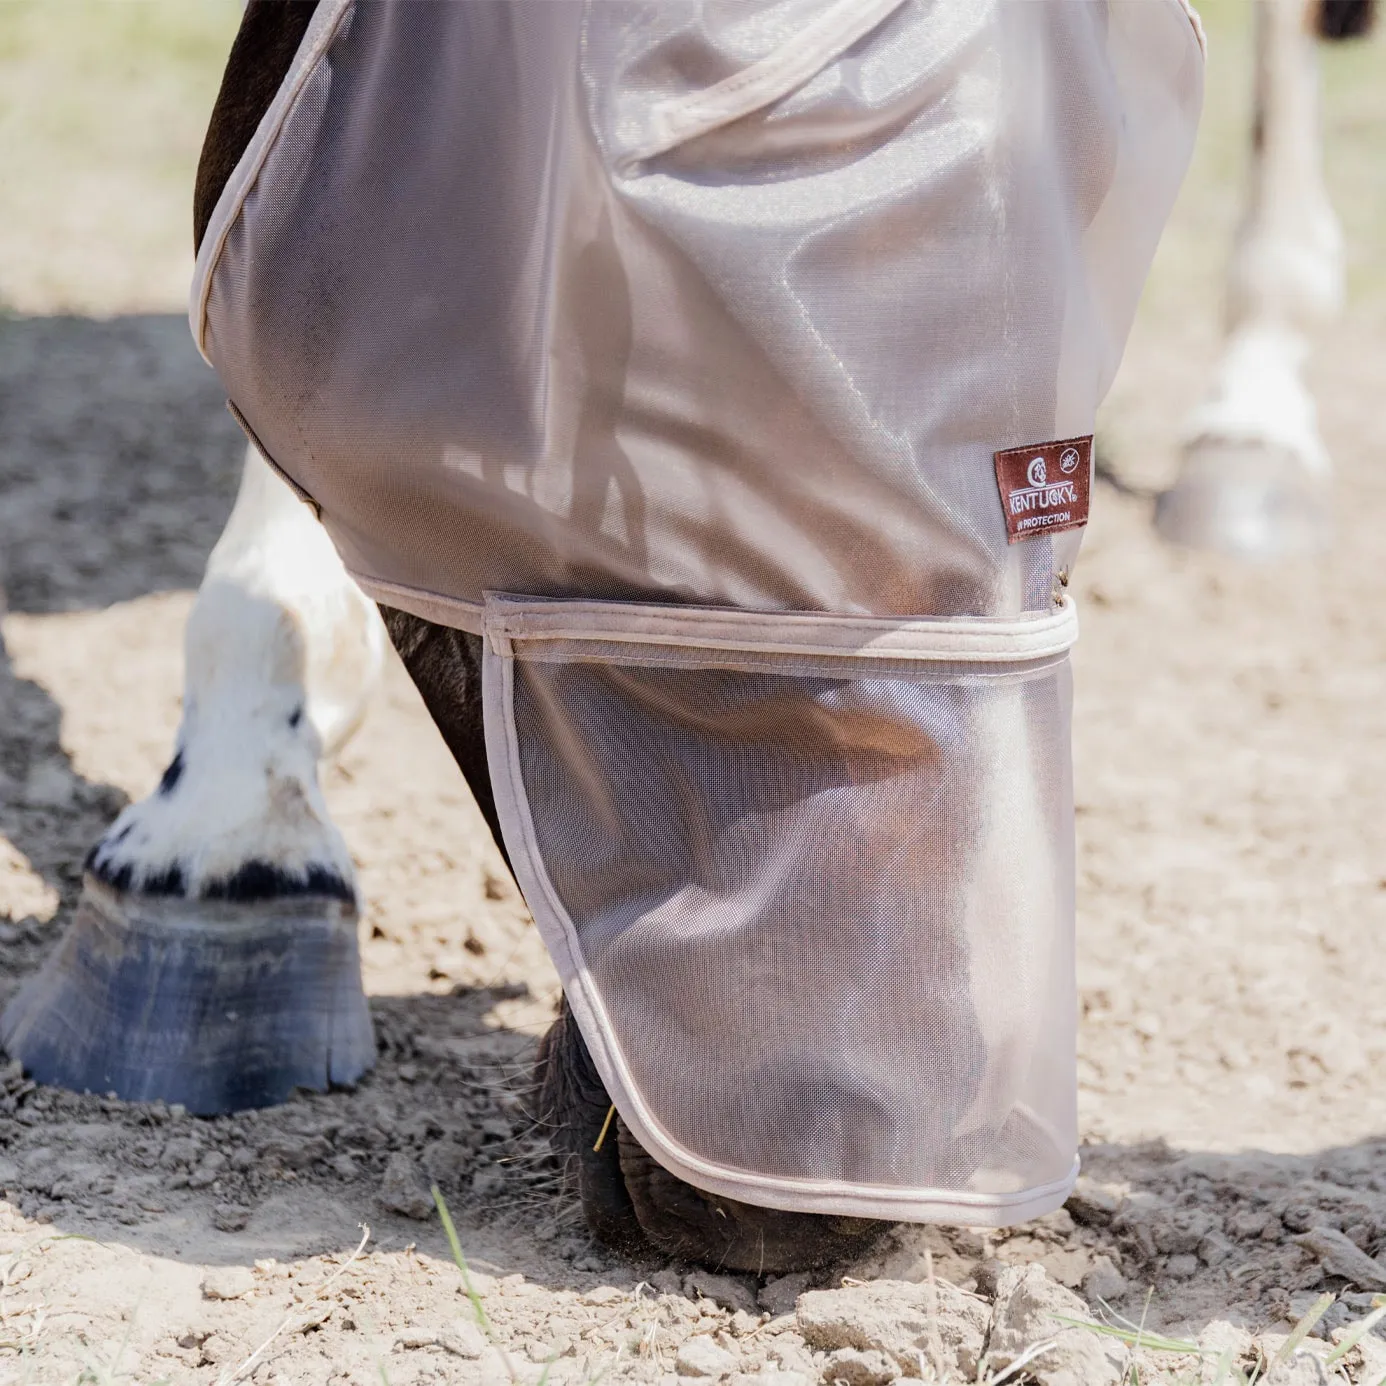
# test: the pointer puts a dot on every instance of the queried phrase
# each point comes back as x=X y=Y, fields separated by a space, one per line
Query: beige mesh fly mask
x=668 y=345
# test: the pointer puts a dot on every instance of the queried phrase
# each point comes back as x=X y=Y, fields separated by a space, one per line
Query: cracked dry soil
x=1231 y=772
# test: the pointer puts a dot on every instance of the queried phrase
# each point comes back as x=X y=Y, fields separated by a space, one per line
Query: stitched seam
x=684 y=118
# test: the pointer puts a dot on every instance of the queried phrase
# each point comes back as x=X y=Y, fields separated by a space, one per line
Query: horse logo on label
x=1037 y=473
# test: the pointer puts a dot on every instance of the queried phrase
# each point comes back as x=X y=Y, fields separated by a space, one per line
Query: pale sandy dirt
x=1231 y=772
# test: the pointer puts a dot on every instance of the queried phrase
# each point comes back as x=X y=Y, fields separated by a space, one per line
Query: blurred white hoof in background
x=1247 y=501
x=1255 y=481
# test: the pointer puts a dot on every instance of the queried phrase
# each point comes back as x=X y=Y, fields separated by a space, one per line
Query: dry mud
x=1231 y=772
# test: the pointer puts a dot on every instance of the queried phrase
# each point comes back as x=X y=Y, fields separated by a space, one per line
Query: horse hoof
x=632 y=1203
x=1247 y=502
x=209 y=1003
x=692 y=1225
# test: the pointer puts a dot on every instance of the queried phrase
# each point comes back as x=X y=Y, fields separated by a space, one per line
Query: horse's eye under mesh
x=698 y=325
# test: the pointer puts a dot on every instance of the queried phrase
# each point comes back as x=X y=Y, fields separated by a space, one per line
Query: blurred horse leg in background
x=1255 y=479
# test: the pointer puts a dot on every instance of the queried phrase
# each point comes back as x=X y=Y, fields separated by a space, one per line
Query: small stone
x=780 y=1294
x=898 y=1319
x=1221 y=1337
x=987 y=1276
x=1093 y=1203
x=447 y=1162
x=486 y=1182
x=703 y=1357
x=1179 y=1233
x=790 y=1354
x=315 y=1315
x=295 y=1154
x=343 y=1166
x=723 y=1290
x=1057 y=1225
x=1214 y=1249
x=1298 y=1217
x=1360 y=1234
x=1248 y=1223
x=1368 y=1356
x=1068 y=1264
x=853 y=1368
x=1306 y=1301
x=228 y=1282
x=463 y=1338
x=230 y=1217
x=1030 y=1308
x=403 y=1188
x=604 y=1295
x=1104 y=1281
x=413 y=1338
x=1182 y=1267
x=1298 y=1371
x=215 y=1348
x=180 y=1152
x=1342 y=1257
x=209 y=1167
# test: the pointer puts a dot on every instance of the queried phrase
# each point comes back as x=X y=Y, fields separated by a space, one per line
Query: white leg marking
x=1286 y=273
x=282 y=653
x=1254 y=480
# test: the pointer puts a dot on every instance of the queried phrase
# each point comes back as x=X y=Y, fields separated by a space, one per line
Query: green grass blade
x=477 y=1307
x=1136 y=1337
x=1303 y=1328
x=1355 y=1336
x=1224 y=1367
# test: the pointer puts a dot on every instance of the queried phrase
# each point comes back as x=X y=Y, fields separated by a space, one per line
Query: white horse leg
x=213 y=960
x=1255 y=479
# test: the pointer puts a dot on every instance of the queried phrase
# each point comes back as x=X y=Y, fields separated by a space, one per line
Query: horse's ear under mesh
x=698 y=327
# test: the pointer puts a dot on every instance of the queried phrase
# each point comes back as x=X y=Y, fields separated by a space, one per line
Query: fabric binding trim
x=322 y=30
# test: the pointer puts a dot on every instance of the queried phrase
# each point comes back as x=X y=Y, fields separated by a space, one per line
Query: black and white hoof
x=633 y=1204
x=217 y=1004
x=1249 y=502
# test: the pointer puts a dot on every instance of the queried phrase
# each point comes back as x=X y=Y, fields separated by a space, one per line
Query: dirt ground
x=1231 y=773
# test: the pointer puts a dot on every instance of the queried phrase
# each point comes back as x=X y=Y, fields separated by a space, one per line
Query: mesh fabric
x=818 y=906
x=699 y=323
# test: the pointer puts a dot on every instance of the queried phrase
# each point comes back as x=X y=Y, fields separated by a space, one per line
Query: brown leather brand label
x=1045 y=488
